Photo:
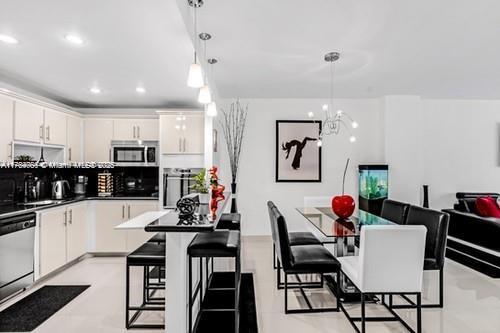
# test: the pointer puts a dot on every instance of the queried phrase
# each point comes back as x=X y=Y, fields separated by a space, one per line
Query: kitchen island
x=179 y=234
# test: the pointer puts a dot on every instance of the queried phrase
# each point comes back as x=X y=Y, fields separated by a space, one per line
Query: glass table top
x=331 y=225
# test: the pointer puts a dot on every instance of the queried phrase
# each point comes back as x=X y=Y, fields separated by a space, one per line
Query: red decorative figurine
x=217 y=190
x=343 y=205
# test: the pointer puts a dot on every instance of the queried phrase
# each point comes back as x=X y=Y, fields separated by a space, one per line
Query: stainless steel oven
x=135 y=153
x=17 y=253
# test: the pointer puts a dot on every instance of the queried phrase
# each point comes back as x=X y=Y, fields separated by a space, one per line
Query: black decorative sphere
x=186 y=206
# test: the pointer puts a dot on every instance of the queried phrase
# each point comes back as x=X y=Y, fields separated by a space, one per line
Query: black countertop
x=203 y=220
x=19 y=209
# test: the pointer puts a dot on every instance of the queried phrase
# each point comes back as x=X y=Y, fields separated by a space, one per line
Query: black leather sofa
x=474 y=240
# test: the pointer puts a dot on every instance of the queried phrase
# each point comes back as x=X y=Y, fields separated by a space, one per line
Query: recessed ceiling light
x=95 y=90
x=74 y=39
x=140 y=90
x=8 y=39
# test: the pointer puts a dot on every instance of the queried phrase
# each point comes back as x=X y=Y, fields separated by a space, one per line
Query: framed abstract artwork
x=298 y=157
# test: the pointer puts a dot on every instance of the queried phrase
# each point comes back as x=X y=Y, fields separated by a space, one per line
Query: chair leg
x=337 y=289
x=190 y=292
x=363 y=314
x=286 y=292
x=274 y=256
x=278 y=275
x=127 y=296
x=419 y=313
x=441 y=287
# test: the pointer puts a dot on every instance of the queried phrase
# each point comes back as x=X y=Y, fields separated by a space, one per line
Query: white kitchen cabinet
x=76 y=231
x=74 y=135
x=52 y=240
x=136 y=129
x=183 y=134
x=28 y=122
x=6 y=126
x=108 y=214
x=136 y=238
x=98 y=134
x=55 y=127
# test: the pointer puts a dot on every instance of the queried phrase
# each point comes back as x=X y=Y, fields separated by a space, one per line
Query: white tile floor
x=472 y=300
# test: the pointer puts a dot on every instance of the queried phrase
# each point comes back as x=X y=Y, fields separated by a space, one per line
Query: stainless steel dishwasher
x=17 y=253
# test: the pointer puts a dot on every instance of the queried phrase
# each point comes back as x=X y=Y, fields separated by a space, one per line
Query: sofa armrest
x=483 y=231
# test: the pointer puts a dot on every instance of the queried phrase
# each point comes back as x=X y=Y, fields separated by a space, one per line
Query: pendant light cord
x=195 y=28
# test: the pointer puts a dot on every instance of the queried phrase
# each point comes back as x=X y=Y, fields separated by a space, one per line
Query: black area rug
x=248 y=310
x=31 y=311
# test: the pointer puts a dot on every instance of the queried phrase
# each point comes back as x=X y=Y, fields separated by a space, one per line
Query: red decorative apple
x=343 y=205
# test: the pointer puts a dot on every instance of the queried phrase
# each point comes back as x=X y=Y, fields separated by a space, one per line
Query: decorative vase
x=234 y=207
x=343 y=206
x=204 y=198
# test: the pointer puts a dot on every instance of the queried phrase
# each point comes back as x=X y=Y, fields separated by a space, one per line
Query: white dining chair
x=390 y=262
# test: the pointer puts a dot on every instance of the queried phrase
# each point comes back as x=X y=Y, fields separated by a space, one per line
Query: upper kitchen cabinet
x=98 y=134
x=183 y=134
x=74 y=135
x=136 y=129
x=55 y=127
x=28 y=122
x=7 y=113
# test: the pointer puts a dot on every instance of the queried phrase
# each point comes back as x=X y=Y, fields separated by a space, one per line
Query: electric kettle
x=60 y=189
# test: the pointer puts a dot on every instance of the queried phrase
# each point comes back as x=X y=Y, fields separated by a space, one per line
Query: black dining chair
x=296 y=239
x=301 y=259
x=394 y=211
x=436 y=223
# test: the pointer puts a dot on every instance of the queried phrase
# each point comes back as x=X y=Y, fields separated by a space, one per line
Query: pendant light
x=204 y=96
x=212 y=107
x=195 y=76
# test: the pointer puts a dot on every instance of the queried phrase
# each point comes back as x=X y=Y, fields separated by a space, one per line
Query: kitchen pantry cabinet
x=7 y=113
x=98 y=134
x=28 y=122
x=63 y=236
x=55 y=127
x=136 y=129
x=74 y=135
x=183 y=134
x=109 y=214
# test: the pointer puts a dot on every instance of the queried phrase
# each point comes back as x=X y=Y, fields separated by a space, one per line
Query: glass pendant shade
x=212 y=110
x=204 y=97
x=195 y=76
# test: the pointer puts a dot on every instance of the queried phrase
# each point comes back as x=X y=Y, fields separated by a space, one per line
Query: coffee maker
x=81 y=185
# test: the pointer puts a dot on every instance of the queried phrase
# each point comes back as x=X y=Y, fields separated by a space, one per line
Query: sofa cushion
x=487 y=207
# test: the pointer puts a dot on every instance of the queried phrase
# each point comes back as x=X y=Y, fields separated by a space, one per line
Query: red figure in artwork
x=217 y=190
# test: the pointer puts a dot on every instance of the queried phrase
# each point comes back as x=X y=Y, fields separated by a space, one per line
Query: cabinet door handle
x=128 y=207
x=134 y=132
x=138 y=132
x=109 y=154
x=180 y=148
x=48 y=133
x=41 y=132
x=184 y=143
x=65 y=218
x=71 y=216
x=69 y=154
x=123 y=211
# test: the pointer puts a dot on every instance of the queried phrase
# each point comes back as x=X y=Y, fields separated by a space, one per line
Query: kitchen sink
x=41 y=203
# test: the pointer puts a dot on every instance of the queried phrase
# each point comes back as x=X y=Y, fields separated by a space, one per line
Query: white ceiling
x=266 y=49
x=440 y=49
x=127 y=43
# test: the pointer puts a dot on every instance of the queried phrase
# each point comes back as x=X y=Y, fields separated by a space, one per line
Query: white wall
x=256 y=179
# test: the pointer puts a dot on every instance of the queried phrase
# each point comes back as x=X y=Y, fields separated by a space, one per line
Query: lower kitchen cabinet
x=109 y=214
x=63 y=236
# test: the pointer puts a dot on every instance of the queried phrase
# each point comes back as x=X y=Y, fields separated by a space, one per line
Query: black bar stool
x=229 y=221
x=155 y=277
x=146 y=256
x=221 y=302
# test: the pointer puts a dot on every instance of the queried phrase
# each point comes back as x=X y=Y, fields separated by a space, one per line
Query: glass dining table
x=342 y=233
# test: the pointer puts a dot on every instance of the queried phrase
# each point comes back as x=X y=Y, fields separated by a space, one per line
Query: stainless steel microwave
x=135 y=153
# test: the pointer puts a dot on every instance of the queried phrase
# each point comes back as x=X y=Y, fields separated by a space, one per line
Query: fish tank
x=373 y=187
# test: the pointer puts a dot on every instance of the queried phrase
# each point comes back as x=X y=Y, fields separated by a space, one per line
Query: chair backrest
x=270 y=208
x=436 y=223
x=394 y=211
x=391 y=258
x=280 y=237
x=318 y=201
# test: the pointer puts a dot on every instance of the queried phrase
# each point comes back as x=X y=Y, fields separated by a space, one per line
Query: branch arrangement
x=233 y=126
